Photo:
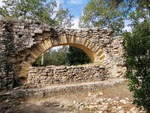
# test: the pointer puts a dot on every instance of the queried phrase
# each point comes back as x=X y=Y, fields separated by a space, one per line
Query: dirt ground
x=116 y=99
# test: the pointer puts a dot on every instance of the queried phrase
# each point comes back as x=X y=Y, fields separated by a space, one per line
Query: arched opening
x=67 y=70
x=92 y=50
x=62 y=55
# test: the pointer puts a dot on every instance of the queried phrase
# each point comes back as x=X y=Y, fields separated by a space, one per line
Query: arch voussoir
x=99 y=52
x=83 y=40
x=77 y=40
x=87 y=42
x=49 y=43
x=63 y=39
x=24 y=69
x=54 y=41
x=91 y=45
x=35 y=52
x=102 y=57
x=95 y=48
x=72 y=39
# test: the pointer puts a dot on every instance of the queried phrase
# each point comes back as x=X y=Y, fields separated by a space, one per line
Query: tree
x=104 y=14
x=77 y=56
x=111 y=14
x=137 y=46
x=41 y=10
x=65 y=55
x=54 y=57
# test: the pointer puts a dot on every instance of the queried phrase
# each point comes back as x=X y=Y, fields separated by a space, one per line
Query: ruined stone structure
x=22 y=42
x=51 y=75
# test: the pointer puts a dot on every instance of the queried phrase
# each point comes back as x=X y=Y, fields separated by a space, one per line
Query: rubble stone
x=21 y=42
x=65 y=75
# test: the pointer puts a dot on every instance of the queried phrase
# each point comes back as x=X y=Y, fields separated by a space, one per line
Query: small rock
x=101 y=94
x=114 y=102
x=121 y=111
x=91 y=107
x=127 y=98
x=123 y=101
x=117 y=98
x=133 y=110
x=7 y=100
x=89 y=94
x=16 y=88
x=100 y=101
x=114 y=107
x=22 y=102
x=105 y=107
x=74 y=102
x=109 y=99
x=119 y=107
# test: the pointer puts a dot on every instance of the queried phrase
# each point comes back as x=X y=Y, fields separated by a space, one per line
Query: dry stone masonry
x=21 y=42
x=65 y=74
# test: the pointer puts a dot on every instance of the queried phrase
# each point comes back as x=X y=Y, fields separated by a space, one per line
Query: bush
x=137 y=46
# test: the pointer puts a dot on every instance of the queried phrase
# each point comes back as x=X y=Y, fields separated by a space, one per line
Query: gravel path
x=111 y=96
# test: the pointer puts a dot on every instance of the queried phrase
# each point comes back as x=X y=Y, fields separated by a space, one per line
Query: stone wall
x=51 y=75
x=6 y=51
x=21 y=42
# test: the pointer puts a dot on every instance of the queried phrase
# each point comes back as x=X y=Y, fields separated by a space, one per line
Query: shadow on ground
x=45 y=107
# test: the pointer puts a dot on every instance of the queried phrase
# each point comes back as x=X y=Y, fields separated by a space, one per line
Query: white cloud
x=1 y=4
x=59 y=2
x=76 y=23
x=127 y=28
x=76 y=1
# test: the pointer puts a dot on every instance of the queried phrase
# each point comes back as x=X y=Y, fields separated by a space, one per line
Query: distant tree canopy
x=111 y=14
x=53 y=57
x=66 y=55
x=77 y=56
x=104 y=14
x=41 y=10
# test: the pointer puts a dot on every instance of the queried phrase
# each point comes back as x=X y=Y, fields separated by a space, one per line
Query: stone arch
x=23 y=41
x=94 y=52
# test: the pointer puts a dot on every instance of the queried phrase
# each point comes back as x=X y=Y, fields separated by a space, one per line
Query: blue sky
x=76 y=8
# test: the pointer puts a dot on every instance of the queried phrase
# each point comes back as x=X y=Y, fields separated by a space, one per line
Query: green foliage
x=54 y=57
x=111 y=14
x=63 y=56
x=137 y=46
x=38 y=61
x=104 y=14
x=77 y=56
x=40 y=10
